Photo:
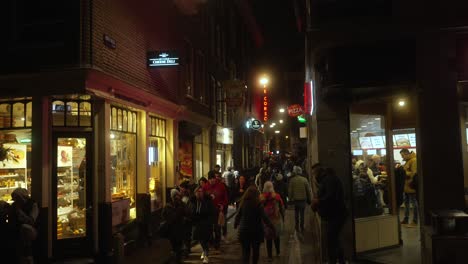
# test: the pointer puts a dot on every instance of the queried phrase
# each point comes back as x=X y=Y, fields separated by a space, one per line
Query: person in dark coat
x=176 y=214
x=203 y=216
x=239 y=190
x=331 y=207
x=281 y=188
x=250 y=219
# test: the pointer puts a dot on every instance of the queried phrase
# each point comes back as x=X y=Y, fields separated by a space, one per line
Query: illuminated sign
x=265 y=105
x=162 y=59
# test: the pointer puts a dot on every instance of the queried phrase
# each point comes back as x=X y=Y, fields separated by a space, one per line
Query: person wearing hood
x=411 y=171
x=299 y=193
x=203 y=215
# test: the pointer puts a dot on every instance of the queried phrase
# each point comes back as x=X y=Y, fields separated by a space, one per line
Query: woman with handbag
x=274 y=209
x=249 y=218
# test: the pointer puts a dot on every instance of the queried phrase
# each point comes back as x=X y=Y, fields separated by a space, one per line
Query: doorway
x=72 y=194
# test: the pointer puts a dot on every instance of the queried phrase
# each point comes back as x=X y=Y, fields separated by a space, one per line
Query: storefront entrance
x=72 y=194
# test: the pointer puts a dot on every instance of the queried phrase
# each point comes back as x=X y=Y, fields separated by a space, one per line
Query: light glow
x=264 y=80
x=112 y=136
x=281 y=110
x=281 y=121
x=401 y=103
x=277 y=131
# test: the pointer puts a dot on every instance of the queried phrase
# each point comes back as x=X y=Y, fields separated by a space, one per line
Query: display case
x=71 y=212
x=13 y=170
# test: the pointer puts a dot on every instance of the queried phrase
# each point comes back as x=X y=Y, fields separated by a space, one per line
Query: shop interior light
x=281 y=121
x=286 y=136
x=281 y=110
x=363 y=126
x=358 y=128
x=377 y=118
x=277 y=152
x=112 y=136
x=277 y=131
x=370 y=123
x=22 y=119
x=401 y=103
x=273 y=124
x=25 y=140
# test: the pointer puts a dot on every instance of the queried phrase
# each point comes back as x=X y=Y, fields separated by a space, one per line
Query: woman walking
x=250 y=218
x=203 y=215
x=274 y=209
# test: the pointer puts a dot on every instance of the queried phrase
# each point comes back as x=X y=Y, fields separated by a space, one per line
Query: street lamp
x=281 y=121
x=264 y=80
x=281 y=110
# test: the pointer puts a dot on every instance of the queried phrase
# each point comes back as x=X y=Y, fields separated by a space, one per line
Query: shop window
x=371 y=184
x=123 y=164
x=19 y=114
x=70 y=113
x=198 y=151
x=157 y=161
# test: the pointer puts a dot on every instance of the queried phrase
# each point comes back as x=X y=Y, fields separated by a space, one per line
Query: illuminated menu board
x=402 y=140
x=366 y=142
x=412 y=139
x=378 y=142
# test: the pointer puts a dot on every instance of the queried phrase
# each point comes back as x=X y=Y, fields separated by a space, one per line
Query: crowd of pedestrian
x=198 y=211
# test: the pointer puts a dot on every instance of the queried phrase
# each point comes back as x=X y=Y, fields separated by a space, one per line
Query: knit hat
x=174 y=192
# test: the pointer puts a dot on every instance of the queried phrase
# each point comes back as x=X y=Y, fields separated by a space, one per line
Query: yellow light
x=281 y=110
x=286 y=137
x=264 y=80
x=277 y=132
x=401 y=103
x=281 y=121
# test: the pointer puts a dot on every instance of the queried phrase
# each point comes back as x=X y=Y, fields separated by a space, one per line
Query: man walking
x=411 y=171
x=217 y=190
x=331 y=207
x=299 y=193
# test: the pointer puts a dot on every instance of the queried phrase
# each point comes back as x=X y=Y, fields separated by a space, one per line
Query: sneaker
x=202 y=255
x=205 y=260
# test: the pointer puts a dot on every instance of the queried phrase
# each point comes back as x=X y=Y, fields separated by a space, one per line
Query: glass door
x=72 y=194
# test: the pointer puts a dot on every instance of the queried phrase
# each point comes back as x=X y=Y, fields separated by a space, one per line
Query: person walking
x=249 y=219
x=300 y=194
x=411 y=171
x=281 y=188
x=203 y=215
x=241 y=186
x=175 y=214
x=274 y=209
x=218 y=193
x=331 y=207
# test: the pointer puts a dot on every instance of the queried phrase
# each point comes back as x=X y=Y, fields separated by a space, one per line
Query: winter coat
x=331 y=198
x=411 y=169
x=299 y=189
x=176 y=214
x=273 y=200
x=250 y=219
x=281 y=188
x=203 y=217
x=219 y=191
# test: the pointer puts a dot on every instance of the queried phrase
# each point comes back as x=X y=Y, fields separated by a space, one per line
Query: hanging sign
x=265 y=105
x=235 y=90
x=256 y=124
x=162 y=59
x=295 y=110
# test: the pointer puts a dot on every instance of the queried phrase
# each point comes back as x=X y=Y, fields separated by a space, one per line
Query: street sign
x=295 y=110
x=256 y=124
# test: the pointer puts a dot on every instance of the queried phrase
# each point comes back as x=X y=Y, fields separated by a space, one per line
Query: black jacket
x=250 y=219
x=203 y=217
x=331 y=198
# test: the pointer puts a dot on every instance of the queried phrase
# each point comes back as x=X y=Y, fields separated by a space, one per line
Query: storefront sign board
x=162 y=59
x=295 y=110
x=224 y=135
x=256 y=124
x=235 y=90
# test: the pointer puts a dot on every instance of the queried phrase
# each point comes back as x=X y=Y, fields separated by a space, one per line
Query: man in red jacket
x=217 y=190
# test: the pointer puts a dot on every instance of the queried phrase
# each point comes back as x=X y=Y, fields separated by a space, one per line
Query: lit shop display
x=71 y=187
x=157 y=161
x=123 y=164
x=15 y=147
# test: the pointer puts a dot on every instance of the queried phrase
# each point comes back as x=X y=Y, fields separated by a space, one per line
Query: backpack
x=361 y=186
x=271 y=207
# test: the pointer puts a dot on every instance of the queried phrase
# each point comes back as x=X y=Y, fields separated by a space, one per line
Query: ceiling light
x=286 y=137
x=112 y=136
x=377 y=118
x=401 y=103
x=277 y=131
x=281 y=121
x=273 y=124
x=281 y=110
x=358 y=128
x=370 y=123
x=363 y=126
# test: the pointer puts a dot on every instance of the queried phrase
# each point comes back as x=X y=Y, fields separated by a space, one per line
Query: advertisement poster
x=412 y=139
x=402 y=140
x=16 y=156
x=64 y=156
x=186 y=158
x=378 y=142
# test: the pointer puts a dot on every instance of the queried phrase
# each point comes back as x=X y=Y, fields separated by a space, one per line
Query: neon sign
x=265 y=105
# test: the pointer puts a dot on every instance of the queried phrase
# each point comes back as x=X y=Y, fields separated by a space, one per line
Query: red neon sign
x=265 y=105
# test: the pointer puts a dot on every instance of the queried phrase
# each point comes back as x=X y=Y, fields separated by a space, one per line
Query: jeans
x=270 y=246
x=299 y=209
x=205 y=246
x=246 y=246
x=411 y=198
x=334 y=245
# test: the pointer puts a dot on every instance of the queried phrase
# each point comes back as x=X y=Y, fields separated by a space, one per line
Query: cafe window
x=157 y=161
x=369 y=165
x=123 y=161
x=15 y=146
x=71 y=113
